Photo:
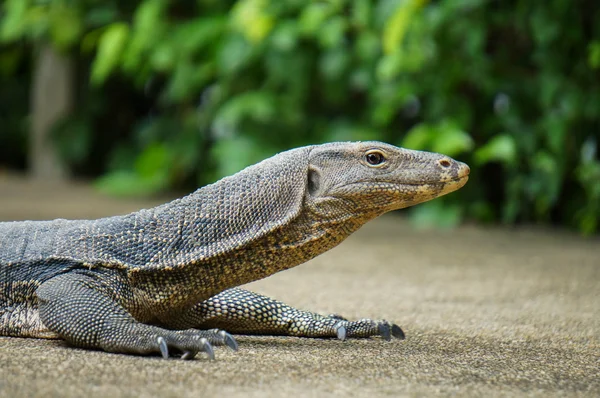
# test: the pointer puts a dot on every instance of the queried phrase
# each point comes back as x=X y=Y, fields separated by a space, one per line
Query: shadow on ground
x=487 y=312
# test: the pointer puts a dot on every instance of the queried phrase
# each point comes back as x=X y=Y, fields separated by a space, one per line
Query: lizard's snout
x=463 y=169
x=452 y=170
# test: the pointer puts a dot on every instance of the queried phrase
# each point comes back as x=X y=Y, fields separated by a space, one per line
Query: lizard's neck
x=294 y=243
x=302 y=239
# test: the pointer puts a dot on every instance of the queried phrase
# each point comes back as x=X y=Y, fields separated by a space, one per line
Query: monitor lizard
x=166 y=280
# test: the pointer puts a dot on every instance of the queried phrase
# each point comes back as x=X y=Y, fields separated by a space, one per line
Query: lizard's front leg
x=85 y=309
x=241 y=311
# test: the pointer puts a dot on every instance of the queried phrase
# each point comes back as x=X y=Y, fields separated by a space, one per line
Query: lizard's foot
x=252 y=313
x=147 y=339
x=188 y=343
x=366 y=328
x=219 y=337
x=313 y=325
x=78 y=308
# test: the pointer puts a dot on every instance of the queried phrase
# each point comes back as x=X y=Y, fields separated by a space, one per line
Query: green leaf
x=150 y=174
x=195 y=36
x=246 y=152
x=389 y=67
x=333 y=32
x=594 y=54
x=436 y=214
x=285 y=36
x=162 y=58
x=258 y=106
x=233 y=55
x=153 y=161
x=89 y=41
x=148 y=29
x=345 y=130
x=362 y=12
x=588 y=152
x=444 y=137
x=501 y=148
x=14 y=20
x=10 y=59
x=66 y=25
x=451 y=140
x=110 y=49
x=125 y=183
x=251 y=17
x=312 y=17
x=73 y=138
x=419 y=137
x=334 y=63
x=544 y=186
x=397 y=25
x=367 y=46
x=187 y=80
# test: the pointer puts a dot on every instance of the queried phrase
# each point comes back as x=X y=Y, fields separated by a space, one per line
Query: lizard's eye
x=375 y=158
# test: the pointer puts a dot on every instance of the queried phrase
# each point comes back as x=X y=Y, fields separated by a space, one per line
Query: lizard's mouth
x=462 y=179
x=457 y=182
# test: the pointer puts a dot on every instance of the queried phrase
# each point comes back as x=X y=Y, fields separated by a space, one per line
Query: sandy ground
x=487 y=312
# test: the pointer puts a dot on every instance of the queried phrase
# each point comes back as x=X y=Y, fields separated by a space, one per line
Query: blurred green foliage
x=175 y=94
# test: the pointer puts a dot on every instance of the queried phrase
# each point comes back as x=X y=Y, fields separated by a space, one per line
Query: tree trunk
x=51 y=100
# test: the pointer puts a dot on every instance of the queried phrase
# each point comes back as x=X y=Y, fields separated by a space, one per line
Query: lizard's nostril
x=445 y=163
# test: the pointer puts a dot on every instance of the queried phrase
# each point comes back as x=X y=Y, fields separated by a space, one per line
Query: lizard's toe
x=368 y=328
x=337 y=316
x=384 y=330
x=190 y=349
x=216 y=337
x=184 y=345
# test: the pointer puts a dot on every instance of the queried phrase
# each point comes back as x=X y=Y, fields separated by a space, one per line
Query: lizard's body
x=126 y=283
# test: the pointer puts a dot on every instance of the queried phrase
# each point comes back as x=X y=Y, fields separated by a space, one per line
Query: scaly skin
x=161 y=280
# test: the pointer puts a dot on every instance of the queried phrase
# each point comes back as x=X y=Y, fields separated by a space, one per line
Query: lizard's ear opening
x=314 y=181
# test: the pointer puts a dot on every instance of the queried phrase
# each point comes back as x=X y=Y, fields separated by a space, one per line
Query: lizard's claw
x=229 y=340
x=162 y=345
x=388 y=330
x=206 y=347
x=340 y=330
x=397 y=332
x=218 y=337
x=185 y=343
x=188 y=355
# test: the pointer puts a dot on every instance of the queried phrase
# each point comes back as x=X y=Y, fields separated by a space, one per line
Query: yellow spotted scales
x=165 y=280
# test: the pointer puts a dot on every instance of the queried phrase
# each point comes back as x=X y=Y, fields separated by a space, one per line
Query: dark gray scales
x=165 y=280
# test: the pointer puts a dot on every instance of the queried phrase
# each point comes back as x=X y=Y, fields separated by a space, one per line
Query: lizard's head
x=373 y=177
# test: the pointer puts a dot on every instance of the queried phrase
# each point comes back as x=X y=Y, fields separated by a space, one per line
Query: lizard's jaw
x=419 y=193
x=452 y=185
x=409 y=194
